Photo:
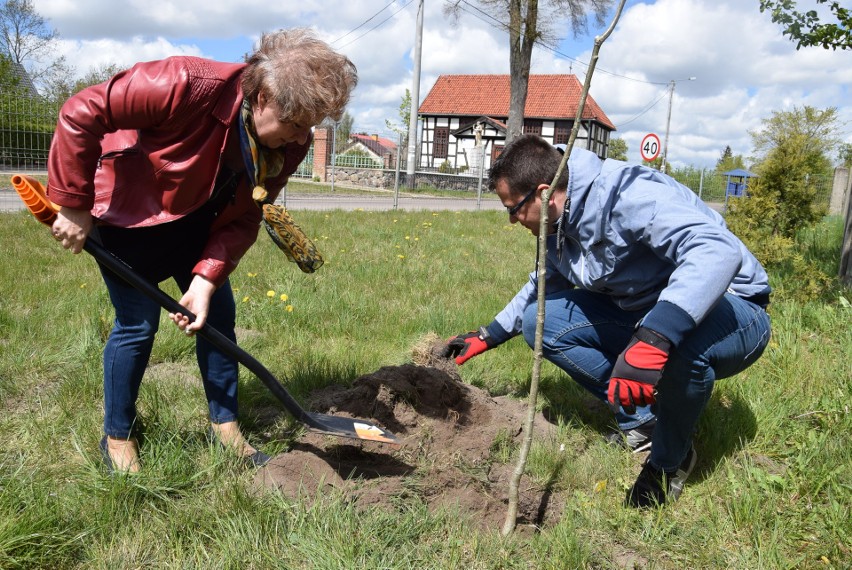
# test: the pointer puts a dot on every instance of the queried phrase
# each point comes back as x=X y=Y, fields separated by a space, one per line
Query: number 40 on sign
x=650 y=148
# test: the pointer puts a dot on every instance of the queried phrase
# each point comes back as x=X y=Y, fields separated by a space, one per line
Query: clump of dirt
x=449 y=432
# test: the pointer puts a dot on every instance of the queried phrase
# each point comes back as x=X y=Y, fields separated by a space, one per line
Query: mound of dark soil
x=448 y=432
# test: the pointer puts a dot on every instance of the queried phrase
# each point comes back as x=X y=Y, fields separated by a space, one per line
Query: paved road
x=9 y=202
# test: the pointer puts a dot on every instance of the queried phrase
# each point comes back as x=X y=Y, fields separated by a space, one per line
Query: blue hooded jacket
x=647 y=242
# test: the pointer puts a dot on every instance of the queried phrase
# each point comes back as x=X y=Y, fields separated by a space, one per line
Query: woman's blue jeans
x=584 y=332
x=129 y=347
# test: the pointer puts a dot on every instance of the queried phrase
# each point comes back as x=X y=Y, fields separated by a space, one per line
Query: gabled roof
x=23 y=78
x=379 y=145
x=467 y=130
x=548 y=97
x=740 y=172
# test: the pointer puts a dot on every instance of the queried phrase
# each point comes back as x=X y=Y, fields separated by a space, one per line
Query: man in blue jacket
x=649 y=298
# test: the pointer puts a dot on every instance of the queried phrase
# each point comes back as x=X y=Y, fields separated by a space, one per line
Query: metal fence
x=712 y=186
x=26 y=127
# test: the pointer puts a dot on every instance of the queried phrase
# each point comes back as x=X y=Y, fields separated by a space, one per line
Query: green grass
x=773 y=487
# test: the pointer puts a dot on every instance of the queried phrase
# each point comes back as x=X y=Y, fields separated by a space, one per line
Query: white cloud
x=88 y=54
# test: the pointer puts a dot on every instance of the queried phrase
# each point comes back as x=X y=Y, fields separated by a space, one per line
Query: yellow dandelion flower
x=407 y=237
x=284 y=296
x=82 y=286
x=270 y=293
x=401 y=256
x=417 y=239
x=250 y=274
x=289 y=308
x=245 y=299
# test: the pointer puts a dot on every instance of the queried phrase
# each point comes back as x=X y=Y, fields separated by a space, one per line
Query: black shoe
x=653 y=488
x=105 y=455
x=257 y=459
x=636 y=440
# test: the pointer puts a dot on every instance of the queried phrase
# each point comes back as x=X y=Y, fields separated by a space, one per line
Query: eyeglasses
x=513 y=210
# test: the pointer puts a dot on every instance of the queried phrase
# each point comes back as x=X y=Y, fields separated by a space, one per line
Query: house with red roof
x=464 y=118
x=383 y=151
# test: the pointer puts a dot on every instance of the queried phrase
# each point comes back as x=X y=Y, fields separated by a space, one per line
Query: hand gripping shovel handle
x=32 y=193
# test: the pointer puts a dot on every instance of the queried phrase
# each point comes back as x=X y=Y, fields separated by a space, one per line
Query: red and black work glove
x=637 y=371
x=465 y=346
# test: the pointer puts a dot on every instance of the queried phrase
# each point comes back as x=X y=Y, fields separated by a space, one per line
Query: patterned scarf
x=263 y=163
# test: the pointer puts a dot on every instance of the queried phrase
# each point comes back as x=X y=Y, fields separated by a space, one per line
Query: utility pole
x=664 y=162
x=415 y=101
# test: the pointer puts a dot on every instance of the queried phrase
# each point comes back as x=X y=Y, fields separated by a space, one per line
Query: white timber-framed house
x=463 y=119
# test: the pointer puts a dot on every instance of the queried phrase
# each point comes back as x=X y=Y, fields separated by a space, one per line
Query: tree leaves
x=805 y=28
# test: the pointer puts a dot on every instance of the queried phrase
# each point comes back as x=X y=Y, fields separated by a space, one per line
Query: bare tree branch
x=24 y=34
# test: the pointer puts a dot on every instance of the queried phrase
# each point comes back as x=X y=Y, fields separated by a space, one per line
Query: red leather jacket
x=145 y=147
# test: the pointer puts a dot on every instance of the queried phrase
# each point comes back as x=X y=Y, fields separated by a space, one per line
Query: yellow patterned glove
x=290 y=238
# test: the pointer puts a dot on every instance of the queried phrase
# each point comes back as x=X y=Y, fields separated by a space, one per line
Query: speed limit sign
x=650 y=148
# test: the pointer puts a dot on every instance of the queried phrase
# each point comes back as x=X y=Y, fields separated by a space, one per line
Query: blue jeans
x=129 y=347
x=584 y=332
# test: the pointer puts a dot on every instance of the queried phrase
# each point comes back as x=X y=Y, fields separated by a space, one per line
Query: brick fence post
x=322 y=153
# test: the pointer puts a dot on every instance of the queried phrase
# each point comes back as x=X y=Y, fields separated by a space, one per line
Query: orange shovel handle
x=32 y=193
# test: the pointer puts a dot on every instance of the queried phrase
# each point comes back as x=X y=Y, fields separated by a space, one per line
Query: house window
x=442 y=139
x=532 y=127
x=561 y=132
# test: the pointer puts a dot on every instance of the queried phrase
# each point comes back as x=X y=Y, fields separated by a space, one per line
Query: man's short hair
x=526 y=162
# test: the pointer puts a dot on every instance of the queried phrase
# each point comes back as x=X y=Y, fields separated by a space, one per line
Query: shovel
x=32 y=193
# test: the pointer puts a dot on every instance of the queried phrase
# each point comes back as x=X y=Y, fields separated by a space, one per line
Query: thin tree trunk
x=526 y=444
x=523 y=32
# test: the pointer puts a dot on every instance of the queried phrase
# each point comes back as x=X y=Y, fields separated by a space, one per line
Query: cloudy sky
x=744 y=69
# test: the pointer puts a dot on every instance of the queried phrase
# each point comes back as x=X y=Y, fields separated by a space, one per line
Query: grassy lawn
x=773 y=488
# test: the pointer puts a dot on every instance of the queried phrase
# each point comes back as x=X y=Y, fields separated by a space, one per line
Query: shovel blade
x=348 y=427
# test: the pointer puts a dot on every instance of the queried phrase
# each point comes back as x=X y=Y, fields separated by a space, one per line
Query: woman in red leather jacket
x=159 y=163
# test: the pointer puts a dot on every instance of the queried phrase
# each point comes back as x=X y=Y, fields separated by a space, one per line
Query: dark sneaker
x=653 y=488
x=636 y=440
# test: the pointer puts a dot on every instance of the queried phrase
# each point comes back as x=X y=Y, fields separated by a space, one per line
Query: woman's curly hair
x=302 y=74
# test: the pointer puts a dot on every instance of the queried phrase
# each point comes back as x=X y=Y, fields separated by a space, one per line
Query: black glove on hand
x=465 y=346
x=637 y=371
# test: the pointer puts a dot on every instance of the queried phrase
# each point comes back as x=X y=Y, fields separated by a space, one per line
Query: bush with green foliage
x=780 y=203
x=793 y=147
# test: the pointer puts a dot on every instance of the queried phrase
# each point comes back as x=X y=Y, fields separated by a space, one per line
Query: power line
x=645 y=110
x=376 y=26
x=505 y=27
x=362 y=24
